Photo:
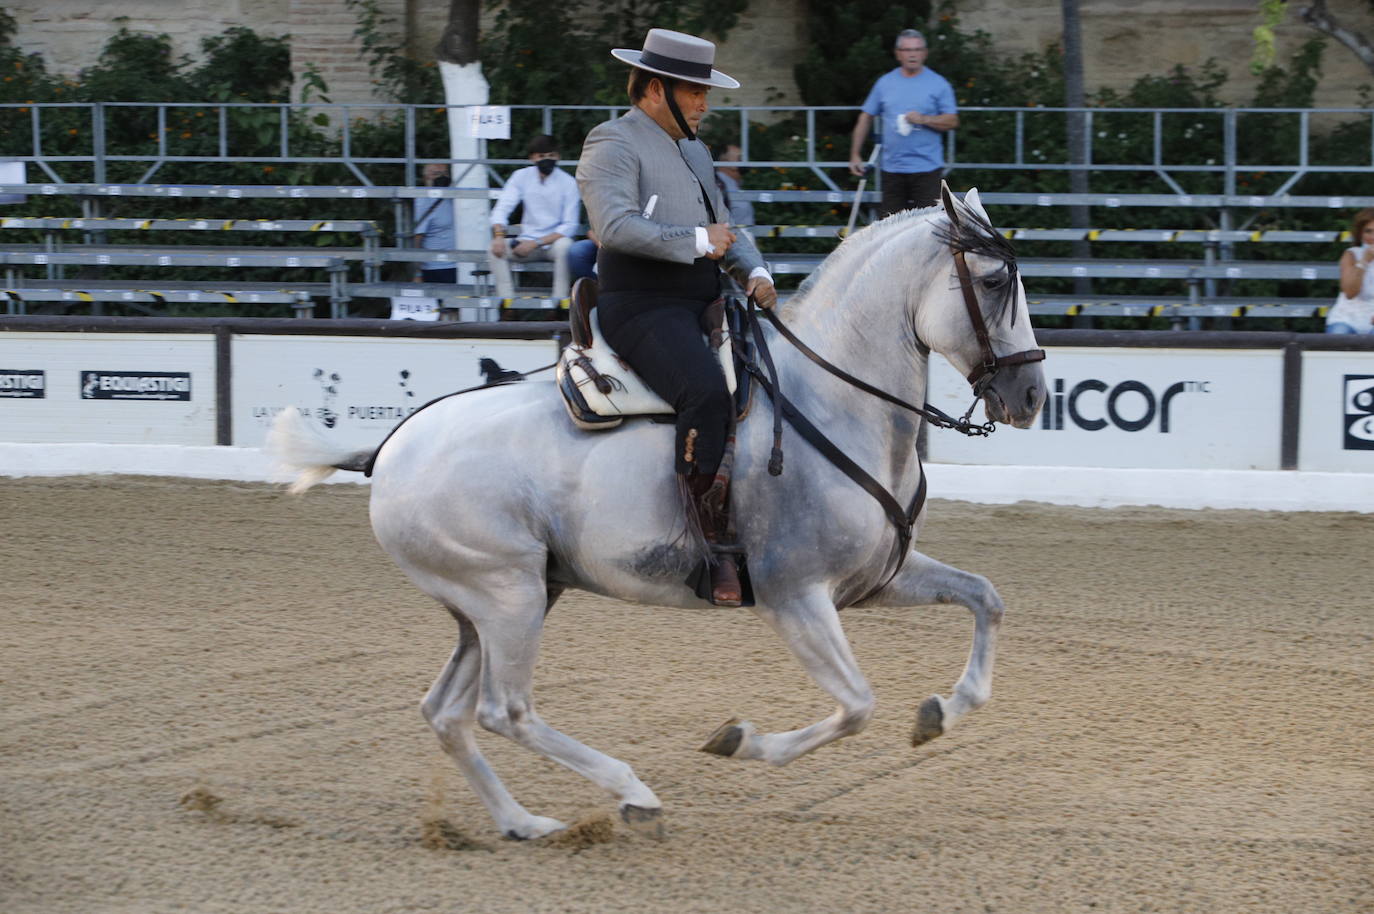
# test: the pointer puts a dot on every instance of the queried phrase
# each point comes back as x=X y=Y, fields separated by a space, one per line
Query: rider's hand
x=763 y=292
x=719 y=236
x=498 y=247
x=526 y=248
x=856 y=166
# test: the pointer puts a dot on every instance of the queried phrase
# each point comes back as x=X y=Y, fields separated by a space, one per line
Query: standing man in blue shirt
x=917 y=107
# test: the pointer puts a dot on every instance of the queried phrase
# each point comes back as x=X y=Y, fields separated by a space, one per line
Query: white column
x=465 y=85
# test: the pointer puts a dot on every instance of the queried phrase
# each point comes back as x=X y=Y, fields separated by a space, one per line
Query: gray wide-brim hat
x=678 y=55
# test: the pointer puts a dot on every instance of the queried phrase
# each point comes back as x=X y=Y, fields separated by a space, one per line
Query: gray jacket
x=629 y=161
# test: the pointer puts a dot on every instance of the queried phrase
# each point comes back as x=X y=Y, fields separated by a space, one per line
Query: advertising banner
x=1336 y=431
x=357 y=389
x=1156 y=408
x=107 y=388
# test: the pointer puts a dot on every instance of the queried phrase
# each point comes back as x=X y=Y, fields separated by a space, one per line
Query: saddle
x=600 y=391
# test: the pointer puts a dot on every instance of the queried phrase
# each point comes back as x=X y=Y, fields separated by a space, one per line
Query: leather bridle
x=991 y=363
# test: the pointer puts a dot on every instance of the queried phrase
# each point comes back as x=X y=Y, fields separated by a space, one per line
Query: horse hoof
x=727 y=738
x=536 y=827
x=930 y=721
x=647 y=820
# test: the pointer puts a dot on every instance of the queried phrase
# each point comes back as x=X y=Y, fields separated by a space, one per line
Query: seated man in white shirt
x=549 y=197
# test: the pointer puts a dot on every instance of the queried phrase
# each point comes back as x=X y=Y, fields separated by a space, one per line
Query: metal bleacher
x=57 y=252
x=1192 y=278
x=1193 y=274
x=333 y=263
x=327 y=272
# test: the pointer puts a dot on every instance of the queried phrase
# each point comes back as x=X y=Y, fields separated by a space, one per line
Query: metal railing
x=1215 y=150
x=1142 y=141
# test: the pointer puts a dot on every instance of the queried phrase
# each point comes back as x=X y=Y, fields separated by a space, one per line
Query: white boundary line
x=1264 y=490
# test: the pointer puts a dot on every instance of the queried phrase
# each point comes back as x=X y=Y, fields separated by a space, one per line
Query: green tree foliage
x=561 y=54
x=850 y=45
x=399 y=75
x=1313 y=13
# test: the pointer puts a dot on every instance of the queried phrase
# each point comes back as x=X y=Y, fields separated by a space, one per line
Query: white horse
x=493 y=503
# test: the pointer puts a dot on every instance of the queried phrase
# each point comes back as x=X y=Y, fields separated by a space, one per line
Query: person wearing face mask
x=549 y=198
x=663 y=226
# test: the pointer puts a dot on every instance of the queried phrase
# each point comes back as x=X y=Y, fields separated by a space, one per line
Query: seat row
x=347 y=259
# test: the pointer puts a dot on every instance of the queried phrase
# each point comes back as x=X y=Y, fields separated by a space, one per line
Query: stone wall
x=1123 y=39
x=1126 y=39
x=70 y=33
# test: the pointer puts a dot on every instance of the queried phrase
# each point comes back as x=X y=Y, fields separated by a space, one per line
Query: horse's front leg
x=811 y=627
x=924 y=581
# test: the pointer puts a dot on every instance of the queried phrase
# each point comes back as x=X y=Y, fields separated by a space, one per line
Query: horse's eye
x=996 y=280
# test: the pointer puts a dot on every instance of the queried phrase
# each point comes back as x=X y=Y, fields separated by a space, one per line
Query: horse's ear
x=948 y=200
x=972 y=201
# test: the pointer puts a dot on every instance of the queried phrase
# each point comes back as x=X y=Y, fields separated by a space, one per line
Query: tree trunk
x=464 y=85
x=1320 y=19
x=1075 y=131
x=459 y=42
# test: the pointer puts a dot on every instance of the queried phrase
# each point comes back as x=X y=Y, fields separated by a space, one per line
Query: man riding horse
x=653 y=202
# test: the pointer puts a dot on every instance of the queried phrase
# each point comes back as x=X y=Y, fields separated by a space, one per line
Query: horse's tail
x=299 y=446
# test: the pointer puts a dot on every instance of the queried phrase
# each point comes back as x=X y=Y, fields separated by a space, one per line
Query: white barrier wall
x=1162 y=408
x=1194 y=409
x=1174 y=409
x=359 y=388
x=118 y=388
x=159 y=388
x=1336 y=431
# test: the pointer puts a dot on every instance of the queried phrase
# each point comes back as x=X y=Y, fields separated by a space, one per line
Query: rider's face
x=691 y=101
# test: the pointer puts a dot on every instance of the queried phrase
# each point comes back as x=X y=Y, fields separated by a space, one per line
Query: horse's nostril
x=1032 y=397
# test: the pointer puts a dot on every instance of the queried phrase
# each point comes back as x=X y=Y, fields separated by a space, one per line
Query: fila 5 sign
x=1161 y=408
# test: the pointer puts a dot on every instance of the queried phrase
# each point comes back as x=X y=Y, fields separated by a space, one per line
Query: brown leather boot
x=726 y=589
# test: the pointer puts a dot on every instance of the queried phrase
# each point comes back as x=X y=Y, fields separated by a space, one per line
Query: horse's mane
x=853 y=261
x=847 y=264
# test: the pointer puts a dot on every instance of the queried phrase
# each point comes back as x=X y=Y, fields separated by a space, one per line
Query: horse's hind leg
x=450 y=706
x=811 y=627
x=510 y=646
x=924 y=581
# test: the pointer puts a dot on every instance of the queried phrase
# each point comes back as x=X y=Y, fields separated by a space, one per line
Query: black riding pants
x=909 y=191
x=661 y=340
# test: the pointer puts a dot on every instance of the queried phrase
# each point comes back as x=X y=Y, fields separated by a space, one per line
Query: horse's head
x=974 y=314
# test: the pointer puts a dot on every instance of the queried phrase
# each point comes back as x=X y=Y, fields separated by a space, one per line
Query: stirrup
x=726 y=587
x=702 y=580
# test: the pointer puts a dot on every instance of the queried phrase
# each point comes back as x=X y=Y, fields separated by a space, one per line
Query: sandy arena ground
x=208 y=703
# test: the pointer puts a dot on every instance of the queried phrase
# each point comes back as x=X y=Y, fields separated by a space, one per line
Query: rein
x=934 y=416
x=903 y=520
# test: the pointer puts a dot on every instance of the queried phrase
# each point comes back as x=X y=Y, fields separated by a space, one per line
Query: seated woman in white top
x=1354 y=308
